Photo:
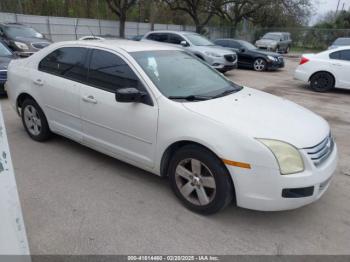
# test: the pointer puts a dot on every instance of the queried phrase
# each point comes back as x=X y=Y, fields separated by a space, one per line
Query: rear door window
x=341 y=55
x=159 y=37
x=67 y=62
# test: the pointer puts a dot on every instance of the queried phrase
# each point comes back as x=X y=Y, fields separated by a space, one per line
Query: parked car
x=326 y=70
x=251 y=57
x=219 y=58
x=6 y=56
x=91 y=37
x=165 y=111
x=22 y=39
x=137 y=38
x=280 y=42
x=341 y=41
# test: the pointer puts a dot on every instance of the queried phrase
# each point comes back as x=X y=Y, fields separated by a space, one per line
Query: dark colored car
x=22 y=39
x=341 y=41
x=6 y=56
x=251 y=57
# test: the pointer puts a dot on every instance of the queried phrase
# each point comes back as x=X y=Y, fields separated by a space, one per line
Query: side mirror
x=184 y=43
x=242 y=50
x=129 y=95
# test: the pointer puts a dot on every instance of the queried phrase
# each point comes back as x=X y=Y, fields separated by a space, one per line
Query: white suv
x=165 y=111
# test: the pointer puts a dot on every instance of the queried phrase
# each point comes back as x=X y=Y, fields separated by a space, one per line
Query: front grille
x=321 y=151
x=230 y=58
x=40 y=45
x=3 y=75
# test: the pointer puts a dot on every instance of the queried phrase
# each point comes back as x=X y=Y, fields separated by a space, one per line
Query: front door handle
x=89 y=99
x=336 y=64
x=38 y=82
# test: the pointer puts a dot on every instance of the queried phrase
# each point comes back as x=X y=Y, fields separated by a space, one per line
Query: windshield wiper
x=226 y=93
x=190 y=98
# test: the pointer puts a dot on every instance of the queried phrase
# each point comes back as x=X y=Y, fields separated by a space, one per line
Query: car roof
x=126 y=45
x=172 y=31
x=14 y=24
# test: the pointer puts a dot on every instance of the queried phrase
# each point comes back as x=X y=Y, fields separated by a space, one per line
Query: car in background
x=326 y=70
x=22 y=39
x=6 y=55
x=280 y=42
x=341 y=41
x=251 y=57
x=218 y=57
x=91 y=37
x=137 y=37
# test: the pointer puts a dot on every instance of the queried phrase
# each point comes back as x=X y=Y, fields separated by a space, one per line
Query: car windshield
x=199 y=40
x=179 y=75
x=247 y=45
x=4 y=51
x=272 y=36
x=342 y=41
x=18 y=31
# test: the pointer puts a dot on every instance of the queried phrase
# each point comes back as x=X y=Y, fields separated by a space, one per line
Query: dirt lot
x=78 y=201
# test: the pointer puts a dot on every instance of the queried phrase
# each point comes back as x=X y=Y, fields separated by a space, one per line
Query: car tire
x=34 y=121
x=260 y=64
x=322 y=82
x=287 y=50
x=200 y=180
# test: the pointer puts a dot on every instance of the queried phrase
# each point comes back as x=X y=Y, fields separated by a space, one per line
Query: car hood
x=259 y=51
x=4 y=61
x=266 y=42
x=29 y=40
x=262 y=115
x=216 y=49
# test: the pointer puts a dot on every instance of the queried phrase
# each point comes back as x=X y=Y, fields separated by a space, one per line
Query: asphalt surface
x=78 y=201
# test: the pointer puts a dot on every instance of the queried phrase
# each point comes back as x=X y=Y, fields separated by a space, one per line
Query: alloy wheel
x=195 y=182
x=259 y=64
x=32 y=120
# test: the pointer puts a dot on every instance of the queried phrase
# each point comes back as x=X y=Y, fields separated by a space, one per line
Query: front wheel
x=34 y=121
x=259 y=65
x=322 y=82
x=200 y=180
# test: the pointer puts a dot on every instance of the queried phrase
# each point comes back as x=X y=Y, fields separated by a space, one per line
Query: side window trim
x=135 y=71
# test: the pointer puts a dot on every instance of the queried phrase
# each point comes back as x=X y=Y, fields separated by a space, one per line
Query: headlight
x=21 y=46
x=272 y=45
x=212 y=54
x=271 y=58
x=287 y=156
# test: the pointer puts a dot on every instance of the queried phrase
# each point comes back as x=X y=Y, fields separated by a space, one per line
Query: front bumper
x=24 y=54
x=3 y=79
x=261 y=188
x=222 y=64
x=274 y=65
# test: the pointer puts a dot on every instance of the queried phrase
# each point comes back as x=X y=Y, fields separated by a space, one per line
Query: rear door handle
x=336 y=64
x=89 y=99
x=38 y=82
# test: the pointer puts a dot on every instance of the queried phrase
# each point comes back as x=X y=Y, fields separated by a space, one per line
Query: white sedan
x=326 y=70
x=165 y=111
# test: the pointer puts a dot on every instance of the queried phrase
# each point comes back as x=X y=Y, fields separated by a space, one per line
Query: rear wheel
x=322 y=82
x=200 y=180
x=259 y=65
x=34 y=121
x=287 y=50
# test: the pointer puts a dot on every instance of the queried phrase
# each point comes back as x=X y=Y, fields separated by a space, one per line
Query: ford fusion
x=165 y=111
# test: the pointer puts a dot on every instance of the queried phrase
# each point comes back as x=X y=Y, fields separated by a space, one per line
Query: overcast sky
x=323 y=6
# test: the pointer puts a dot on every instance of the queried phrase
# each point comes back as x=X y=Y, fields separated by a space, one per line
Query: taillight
x=303 y=60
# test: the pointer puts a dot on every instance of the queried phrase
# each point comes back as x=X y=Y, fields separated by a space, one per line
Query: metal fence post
x=76 y=28
x=99 y=27
x=49 y=28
